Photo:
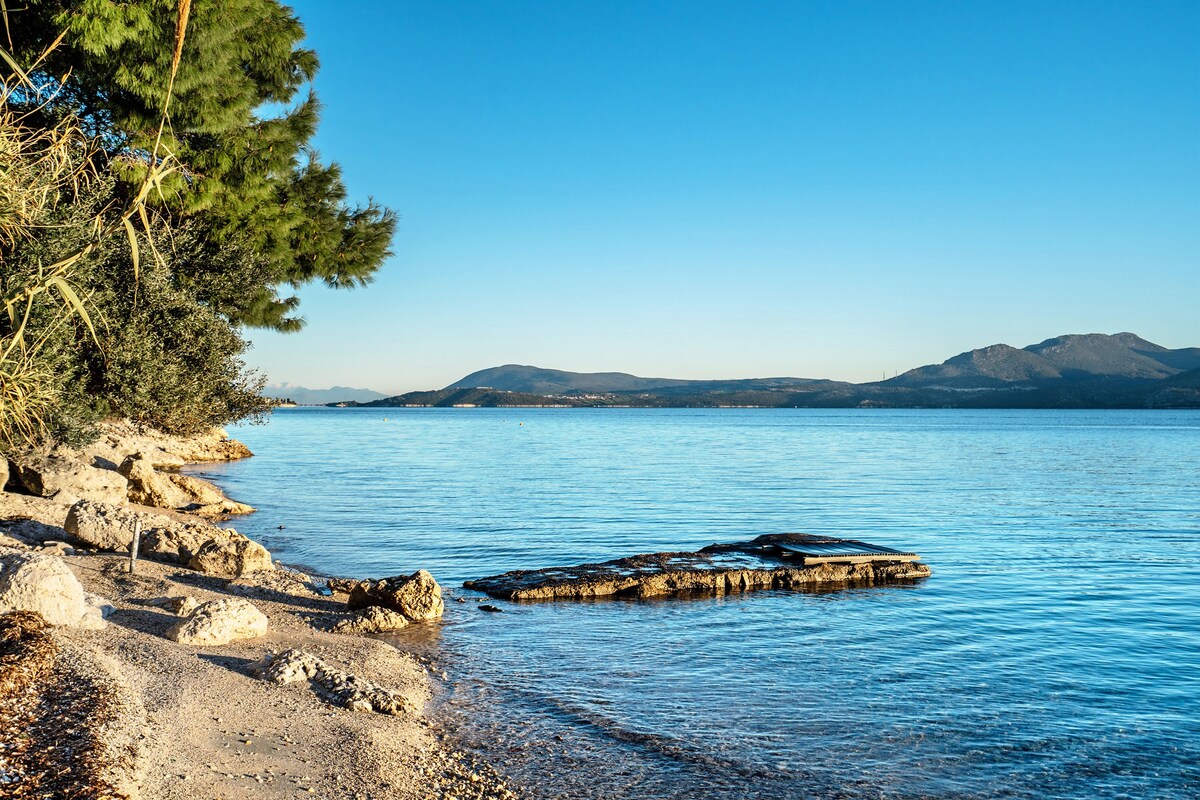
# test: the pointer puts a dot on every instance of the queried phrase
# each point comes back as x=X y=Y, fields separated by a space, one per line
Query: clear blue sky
x=736 y=189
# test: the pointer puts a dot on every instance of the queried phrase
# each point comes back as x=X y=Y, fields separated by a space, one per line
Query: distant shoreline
x=1085 y=371
x=1189 y=406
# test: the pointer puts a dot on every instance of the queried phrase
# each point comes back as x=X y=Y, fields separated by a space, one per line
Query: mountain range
x=1073 y=371
x=304 y=396
x=534 y=380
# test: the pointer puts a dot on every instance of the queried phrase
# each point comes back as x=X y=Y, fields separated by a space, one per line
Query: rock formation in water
x=768 y=562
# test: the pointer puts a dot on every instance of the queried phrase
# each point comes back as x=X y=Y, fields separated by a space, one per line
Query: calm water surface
x=1054 y=652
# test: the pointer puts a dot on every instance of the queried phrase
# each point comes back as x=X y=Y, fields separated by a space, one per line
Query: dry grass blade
x=131 y=234
x=7 y=30
x=74 y=303
x=181 y=21
x=26 y=400
x=38 y=166
x=4 y=54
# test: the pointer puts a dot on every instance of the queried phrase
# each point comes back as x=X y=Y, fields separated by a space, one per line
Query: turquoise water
x=1054 y=652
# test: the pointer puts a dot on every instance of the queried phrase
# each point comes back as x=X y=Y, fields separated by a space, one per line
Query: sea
x=1053 y=653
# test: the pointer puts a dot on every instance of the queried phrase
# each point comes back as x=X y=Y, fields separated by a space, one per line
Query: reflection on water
x=1051 y=654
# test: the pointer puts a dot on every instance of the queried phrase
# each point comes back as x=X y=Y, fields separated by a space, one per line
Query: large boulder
x=43 y=583
x=148 y=487
x=236 y=557
x=101 y=526
x=219 y=622
x=207 y=548
x=179 y=542
x=68 y=479
x=109 y=527
x=416 y=596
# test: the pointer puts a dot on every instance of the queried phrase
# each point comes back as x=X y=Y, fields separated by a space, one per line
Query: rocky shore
x=209 y=671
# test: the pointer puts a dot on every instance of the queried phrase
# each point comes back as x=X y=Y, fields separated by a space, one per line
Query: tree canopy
x=223 y=189
x=240 y=125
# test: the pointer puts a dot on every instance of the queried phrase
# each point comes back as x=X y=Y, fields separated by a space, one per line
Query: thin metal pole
x=137 y=542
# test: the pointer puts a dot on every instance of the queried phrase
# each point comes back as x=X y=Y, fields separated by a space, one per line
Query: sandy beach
x=159 y=719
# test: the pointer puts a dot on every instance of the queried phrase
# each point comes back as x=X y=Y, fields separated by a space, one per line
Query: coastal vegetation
x=159 y=195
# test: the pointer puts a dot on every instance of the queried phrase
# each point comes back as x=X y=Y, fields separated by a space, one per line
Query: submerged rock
x=416 y=596
x=776 y=561
x=219 y=622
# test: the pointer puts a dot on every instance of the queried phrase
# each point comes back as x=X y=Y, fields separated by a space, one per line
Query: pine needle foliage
x=240 y=125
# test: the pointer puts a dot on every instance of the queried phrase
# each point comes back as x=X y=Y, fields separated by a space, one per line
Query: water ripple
x=1052 y=655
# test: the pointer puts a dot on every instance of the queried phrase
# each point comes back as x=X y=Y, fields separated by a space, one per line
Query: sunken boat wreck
x=771 y=561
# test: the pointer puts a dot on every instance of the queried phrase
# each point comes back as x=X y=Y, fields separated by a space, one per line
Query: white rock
x=43 y=583
x=101 y=525
x=110 y=527
x=372 y=619
x=148 y=487
x=219 y=622
x=234 y=556
x=351 y=691
x=101 y=604
x=63 y=478
x=96 y=611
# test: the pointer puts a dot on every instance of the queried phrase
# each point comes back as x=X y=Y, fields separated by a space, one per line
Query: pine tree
x=239 y=125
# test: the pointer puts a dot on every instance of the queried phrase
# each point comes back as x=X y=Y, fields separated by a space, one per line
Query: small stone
x=372 y=619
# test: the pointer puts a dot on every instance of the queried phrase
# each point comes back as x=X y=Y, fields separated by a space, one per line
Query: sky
x=735 y=189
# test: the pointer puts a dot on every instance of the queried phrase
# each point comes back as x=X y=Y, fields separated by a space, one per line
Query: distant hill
x=1074 y=371
x=319 y=397
x=1075 y=357
x=474 y=396
x=535 y=380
